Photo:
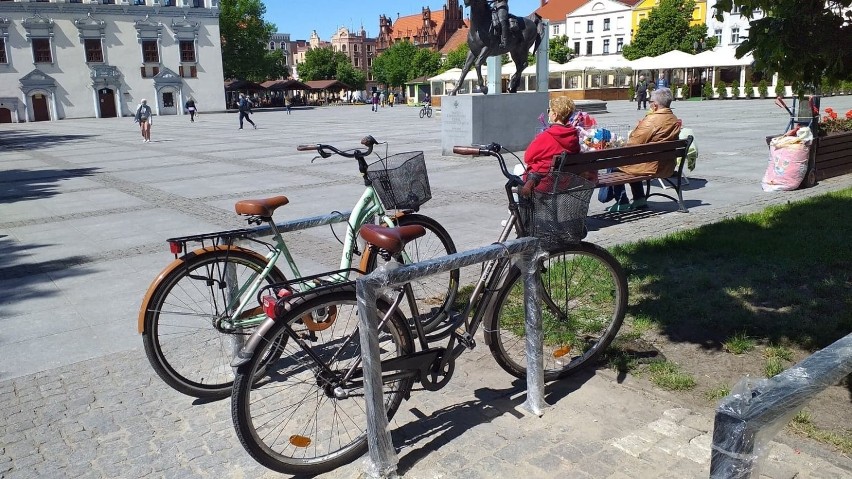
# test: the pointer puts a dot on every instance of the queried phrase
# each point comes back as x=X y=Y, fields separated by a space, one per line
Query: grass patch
x=462 y=298
x=739 y=343
x=802 y=425
x=780 y=352
x=773 y=367
x=668 y=375
x=776 y=360
x=717 y=393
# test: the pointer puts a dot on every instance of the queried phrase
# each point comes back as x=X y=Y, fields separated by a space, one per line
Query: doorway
x=106 y=100
x=40 y=110
x=5 y=115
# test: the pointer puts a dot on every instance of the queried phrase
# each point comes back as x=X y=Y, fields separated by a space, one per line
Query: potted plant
x=684 y=91
x=631 y=93
x=780 y=89
x=735 y=89
x=707 y=91
x=749 y=89
x=763 y=89
x=722 y=90
x=833 y=155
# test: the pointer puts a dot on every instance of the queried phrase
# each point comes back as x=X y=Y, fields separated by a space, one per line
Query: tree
x=425 y=63
x=558 y=50
x=244 y=40
x=347 y=74
x=455 y=58
x=394 y=65
x=666 y=29
x=321 y=64
x=801 y=40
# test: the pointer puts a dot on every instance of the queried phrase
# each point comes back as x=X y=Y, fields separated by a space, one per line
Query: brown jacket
x=660 y=125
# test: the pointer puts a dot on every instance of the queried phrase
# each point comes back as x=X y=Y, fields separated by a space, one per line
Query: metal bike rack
x=747 y=419
x=382 y=460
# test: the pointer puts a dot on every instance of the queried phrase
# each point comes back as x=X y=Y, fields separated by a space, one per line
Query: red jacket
x=551 y=142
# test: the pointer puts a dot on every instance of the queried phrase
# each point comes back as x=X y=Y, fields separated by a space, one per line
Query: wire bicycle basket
x=556 y=210
x=401 y=180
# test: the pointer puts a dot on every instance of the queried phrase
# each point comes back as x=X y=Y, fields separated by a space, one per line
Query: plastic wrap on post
x=302 y=223
x=748 y=418
x=528 y=263
x=382 y=459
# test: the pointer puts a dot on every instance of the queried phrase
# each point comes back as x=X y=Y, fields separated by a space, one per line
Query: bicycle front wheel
x=303 y=418
x=181 y=338
x=429 y=112
x=434 y=294
x=584 y=299
x=422 y=112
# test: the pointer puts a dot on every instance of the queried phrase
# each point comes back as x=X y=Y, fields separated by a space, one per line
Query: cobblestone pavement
x=85 y=207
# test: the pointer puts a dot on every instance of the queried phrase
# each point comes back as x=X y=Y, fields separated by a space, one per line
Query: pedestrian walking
x=144 y=118
x=375 y=102
x=190 y=107
x=382 y=99
x=245 y=105
x=642 y=93
x=391 y=99
x=288 y=101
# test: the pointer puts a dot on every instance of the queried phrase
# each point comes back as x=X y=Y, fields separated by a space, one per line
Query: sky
x=299 y=18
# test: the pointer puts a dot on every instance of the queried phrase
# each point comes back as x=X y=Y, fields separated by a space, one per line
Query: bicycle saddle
x=263 y=207
x=392 y=240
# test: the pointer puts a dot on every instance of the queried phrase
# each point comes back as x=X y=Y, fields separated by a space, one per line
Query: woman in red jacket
x=559 y=137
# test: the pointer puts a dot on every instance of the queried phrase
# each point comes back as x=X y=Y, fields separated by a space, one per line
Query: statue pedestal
x=509 y=119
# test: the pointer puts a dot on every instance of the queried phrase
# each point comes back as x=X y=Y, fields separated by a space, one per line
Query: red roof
x=556 y=10
x=408 y=26
x=458 y=38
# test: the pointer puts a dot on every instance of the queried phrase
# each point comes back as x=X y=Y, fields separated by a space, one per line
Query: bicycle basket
x=401 y=181
x=556 y=211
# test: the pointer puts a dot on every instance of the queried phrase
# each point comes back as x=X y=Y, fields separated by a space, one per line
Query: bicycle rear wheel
x=180 y=336
x=584 y=299
x=422 y=112
x=429 y=112
x=434 y=294
x=291 y=421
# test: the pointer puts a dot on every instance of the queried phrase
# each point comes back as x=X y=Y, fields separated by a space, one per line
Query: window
x=735 y=34
x=187 y=51
x=590 y=26
x=619 y=45
x=589 y=47
x=109 y=2
x=555 y=30
x=619 y=23
x=150 y=54
x=355 y=48
x=197 y=3
x=343 y=48
x=94 y=51
x=3 y=58
x=188 y=72
x=168 y=99
x=139 y=2
x=41 y=50
x=606 y=24
x=718 y=34
x=736 y=9
x=168 y=3
x=357 y=62
x=576 y=48
x=606 y=45
x=576 y=27
x=272 y=45
x=283 y=46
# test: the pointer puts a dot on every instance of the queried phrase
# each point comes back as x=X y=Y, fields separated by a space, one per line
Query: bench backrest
x=626 y=155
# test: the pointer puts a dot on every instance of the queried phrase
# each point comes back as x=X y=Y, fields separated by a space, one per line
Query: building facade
x=643 y=8
x=360 y=49
x=98 y=58
x=426 y=30
x=600 y=27
x=281 y=41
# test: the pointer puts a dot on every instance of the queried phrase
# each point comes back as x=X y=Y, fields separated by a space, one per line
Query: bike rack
x=382 y=459
x=747 y=419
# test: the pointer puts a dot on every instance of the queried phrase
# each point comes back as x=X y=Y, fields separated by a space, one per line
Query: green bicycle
x=201 y=307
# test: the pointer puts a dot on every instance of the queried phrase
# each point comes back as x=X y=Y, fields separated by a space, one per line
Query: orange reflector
x=561 y=351
x=300 y=441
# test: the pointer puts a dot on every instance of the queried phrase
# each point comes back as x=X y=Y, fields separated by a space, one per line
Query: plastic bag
x=788 y=161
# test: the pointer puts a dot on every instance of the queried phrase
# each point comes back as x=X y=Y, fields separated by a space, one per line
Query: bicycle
x=426 y=111
x=307 y=415
x=196 y=314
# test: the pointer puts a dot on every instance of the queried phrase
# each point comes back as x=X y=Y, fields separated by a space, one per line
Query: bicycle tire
x=578 y=324
x=435 y=292
x=422 y=112
x=181 y=342
x=429 y=113
x=290 y=421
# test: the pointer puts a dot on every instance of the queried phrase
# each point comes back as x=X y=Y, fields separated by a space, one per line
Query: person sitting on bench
x=660 y=124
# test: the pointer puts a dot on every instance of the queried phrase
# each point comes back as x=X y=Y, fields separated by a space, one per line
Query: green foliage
x=276 y=65
x=425 y=63
x=631 y=93
x=684 y=91
x=763 y=89
x=803 y=41
x=780 y=89
x=455 y=59
x=749 y=89
x=735 y=89
x=346 y=73
x=667 y=28
x=558 y=50
x=669 y=375
x=739 y=343
x=321 y=64
x=722 y=90
x=244 y=37
x=393 y=67
x=707 y=91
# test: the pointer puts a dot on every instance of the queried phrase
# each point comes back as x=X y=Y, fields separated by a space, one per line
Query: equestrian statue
x=494 y=32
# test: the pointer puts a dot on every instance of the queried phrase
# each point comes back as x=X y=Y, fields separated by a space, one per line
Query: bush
x=749 y=89
x=684 y=92
x=631 y=93
x=780 y=89
x=722 y=90
x=763 y=89
x=735 y=89
x=707 y=91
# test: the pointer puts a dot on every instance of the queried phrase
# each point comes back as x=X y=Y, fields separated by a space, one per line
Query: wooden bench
x=631 y=155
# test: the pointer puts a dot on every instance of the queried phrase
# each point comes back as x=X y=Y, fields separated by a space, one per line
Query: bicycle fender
x=247 y=351
x=180 y=262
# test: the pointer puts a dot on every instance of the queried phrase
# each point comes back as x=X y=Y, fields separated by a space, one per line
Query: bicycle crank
x=437 y=376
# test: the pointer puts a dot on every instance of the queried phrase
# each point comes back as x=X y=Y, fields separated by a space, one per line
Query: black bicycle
x=426 y=111
x=306 y=415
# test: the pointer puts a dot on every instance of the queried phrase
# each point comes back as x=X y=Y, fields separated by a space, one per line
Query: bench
x=631 y=155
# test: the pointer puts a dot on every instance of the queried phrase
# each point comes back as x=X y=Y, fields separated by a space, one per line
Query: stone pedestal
x=509 y=119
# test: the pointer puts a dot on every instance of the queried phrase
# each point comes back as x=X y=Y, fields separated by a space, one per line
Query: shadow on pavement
x=23 y=185
x=23 y=278
x=18 y=140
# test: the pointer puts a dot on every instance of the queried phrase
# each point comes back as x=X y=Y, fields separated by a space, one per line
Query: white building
x=281 y=41
x=99 y=58
x=600 y=27
x=732 y=30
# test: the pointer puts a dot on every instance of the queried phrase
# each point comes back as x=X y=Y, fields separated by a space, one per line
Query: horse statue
x=483 y=40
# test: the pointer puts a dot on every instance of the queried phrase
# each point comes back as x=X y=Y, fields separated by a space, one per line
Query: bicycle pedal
x=465 y=339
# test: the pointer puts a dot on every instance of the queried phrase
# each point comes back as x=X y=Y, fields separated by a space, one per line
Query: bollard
x=528 y=263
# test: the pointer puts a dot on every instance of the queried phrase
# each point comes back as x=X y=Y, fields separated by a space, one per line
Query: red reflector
x=175 y=247
x=269 y=306
x=284 y=293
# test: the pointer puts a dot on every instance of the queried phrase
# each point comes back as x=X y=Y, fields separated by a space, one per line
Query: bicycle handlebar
x=494 y=150
x=326 y=151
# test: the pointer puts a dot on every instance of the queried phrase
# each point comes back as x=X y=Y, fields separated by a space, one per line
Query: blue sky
x=299 y=18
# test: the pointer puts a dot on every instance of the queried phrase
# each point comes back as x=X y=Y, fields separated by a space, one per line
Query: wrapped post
x=528 y=263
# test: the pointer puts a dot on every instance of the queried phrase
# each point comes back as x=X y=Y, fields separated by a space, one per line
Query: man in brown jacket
x=660 y=124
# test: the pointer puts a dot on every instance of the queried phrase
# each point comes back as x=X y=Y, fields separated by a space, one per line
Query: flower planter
x=833 y=155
